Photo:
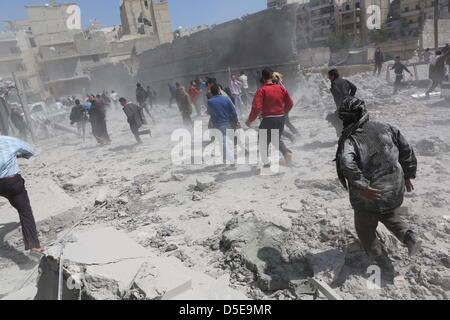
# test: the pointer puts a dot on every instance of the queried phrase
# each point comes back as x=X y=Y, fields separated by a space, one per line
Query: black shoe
x=413 y=243
x=385 y=264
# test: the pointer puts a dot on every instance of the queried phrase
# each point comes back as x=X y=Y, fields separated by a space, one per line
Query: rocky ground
x=268 y=233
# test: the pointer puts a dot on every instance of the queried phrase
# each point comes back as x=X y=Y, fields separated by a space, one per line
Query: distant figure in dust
x=184 y=104
x=378 y=60
x=97 y=116
x=427 y=55
x=151 y=94
x=236 y=93
x=340 y=89
x=243 y=79
x=172 y=94
x=134 y=118
x=194 y=94
x=115 y=99
x=79 y=116
x=12 y=187
x=19 y=122
x=141 y=98
x=273 y=102
x=375 y=163
x=399 y=69
x=437 y=71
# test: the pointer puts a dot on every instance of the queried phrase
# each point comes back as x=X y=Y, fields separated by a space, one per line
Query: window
x=33 y=43
x=25 y=84
x=20 y=67
x=146 y=4
x=14 y=50
x=95 y=58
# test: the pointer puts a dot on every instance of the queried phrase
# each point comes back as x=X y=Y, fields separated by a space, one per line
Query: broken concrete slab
x=47 y=200
x=162 y=279
x=102 y=196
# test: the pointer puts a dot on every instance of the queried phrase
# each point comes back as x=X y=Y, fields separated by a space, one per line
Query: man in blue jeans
x=12 y=187
x=223 y=114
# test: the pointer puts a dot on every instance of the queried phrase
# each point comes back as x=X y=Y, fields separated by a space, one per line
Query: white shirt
x=244 y=80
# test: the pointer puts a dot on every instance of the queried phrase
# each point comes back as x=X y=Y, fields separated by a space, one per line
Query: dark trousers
x=434 y=85
x=366 y=224
x=135 y=130
x=100 y=130
x=398 y=82
x=14 y=190
x=187 y=120
x=377 y=69
x=276 y=123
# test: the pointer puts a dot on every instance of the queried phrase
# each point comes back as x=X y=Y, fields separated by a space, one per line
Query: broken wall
x=267 y=38
x=428 y=33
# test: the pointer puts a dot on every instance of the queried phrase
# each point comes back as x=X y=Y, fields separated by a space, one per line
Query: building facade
x=147 y=18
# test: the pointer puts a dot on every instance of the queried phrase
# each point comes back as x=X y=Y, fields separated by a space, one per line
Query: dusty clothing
x=377 y=155
x=184 y=105
x=4 y=117
x=19 y=122
x=141 y=95
x=271 y=100
x=366 y=224
x=341 y=89
x=78 y=114
x=437 y=70
x=97 y=115
x=133 y=113
x=379 y=57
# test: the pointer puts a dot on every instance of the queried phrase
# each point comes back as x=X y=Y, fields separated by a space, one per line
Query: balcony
x=57 y=53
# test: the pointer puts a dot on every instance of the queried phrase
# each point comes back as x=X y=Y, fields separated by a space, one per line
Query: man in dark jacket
x=184 y=104
x=340 y=89
x=97 y=115
x=78 y=116
x=437 y=71
x=134 y=119
x=379 y=60
x=375 y=163
x=399 y=69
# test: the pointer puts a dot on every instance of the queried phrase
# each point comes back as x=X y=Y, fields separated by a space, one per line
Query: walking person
x=134 y=118
x=78 y=116
x=12 y=187
x=243 y=79
x=399 y=69
x=274 y=103
x=172 y=94
x=115 y=99
x=184 y=105
x=437 y=71
x=236 y=92
x=150 y=99
x=375 y=164
x=379 y=60
x=223 y=117
x=97 y=116
x=194 y=94
x=340 y=89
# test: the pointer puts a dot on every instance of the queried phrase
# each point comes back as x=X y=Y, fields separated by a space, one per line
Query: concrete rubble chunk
x=326 y=265
x=204 y=182
x=102 y=196
x=105 y=264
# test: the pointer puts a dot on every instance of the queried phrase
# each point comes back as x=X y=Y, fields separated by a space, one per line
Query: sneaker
x=413 y=243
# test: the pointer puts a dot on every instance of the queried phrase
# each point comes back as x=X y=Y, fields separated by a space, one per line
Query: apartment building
x=16 y=57
x=280 y=3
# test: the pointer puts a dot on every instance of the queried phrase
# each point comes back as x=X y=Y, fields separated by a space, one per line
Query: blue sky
x=186 y=13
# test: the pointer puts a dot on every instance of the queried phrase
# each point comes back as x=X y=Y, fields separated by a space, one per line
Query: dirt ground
x=158 y=204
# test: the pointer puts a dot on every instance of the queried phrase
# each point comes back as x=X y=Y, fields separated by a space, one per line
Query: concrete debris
x=204 y=183
x=102 y=196
x=326 y=266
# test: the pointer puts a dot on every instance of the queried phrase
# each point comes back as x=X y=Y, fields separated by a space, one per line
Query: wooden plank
x=324 y=288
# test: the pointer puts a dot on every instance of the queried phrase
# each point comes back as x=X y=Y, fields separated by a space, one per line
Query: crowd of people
x=439 y=67
x=374 y=161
